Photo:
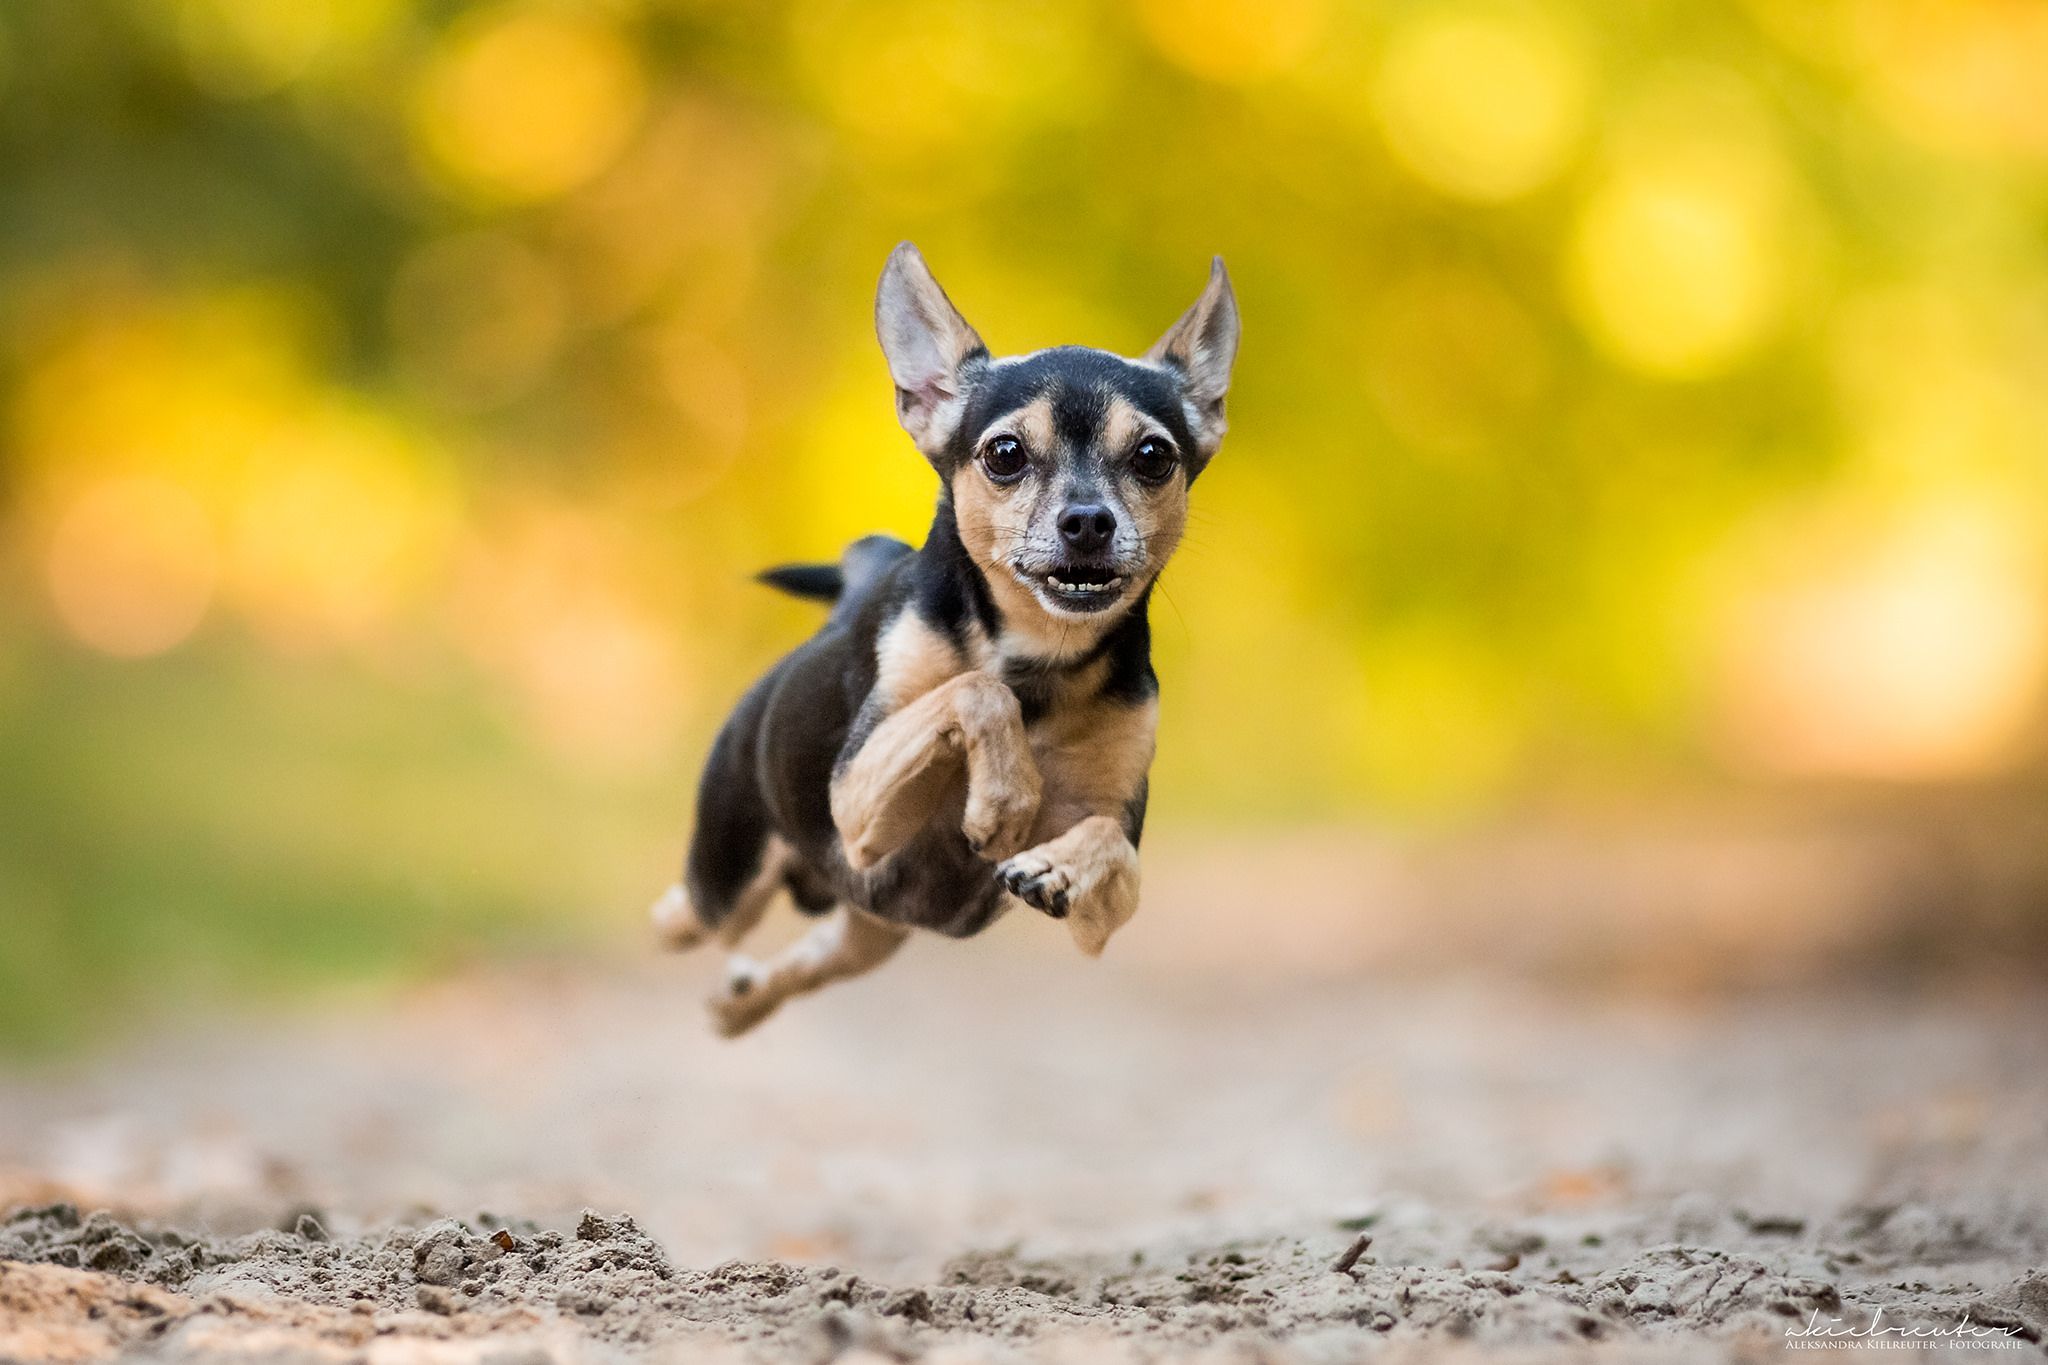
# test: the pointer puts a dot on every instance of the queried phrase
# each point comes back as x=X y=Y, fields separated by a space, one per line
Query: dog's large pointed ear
x=932 y=351
x=1200 y=348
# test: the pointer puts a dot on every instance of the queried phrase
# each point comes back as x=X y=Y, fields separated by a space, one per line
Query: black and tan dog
x=973 y=724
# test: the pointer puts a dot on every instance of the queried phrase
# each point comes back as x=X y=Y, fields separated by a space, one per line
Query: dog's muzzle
x=1077 y=587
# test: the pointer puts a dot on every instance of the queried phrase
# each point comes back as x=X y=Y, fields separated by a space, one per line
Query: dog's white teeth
x=1065 y=586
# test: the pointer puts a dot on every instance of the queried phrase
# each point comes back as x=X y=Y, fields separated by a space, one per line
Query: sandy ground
x=998 y=1151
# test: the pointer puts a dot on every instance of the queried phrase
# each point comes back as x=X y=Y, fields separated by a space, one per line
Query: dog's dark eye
x=1004 y=459
x=1153 y=460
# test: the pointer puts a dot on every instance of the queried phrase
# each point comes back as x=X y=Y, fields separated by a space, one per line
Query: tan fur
x=927 y=343
x=1031 y=424
x=847 y=944
x=676 y=922
x=991 y=521
x=1095 y=865
x=969 y=726
x=1045 y=806
x=1200 y=348
x=1125 y=425
x=911 y=659
x=1092 y=758
x=1160 y=514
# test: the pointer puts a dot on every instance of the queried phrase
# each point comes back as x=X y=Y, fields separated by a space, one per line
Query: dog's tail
x=844 y=583
x=819 y=582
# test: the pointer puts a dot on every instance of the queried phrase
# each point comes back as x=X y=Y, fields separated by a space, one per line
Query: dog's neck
x=1017 y=626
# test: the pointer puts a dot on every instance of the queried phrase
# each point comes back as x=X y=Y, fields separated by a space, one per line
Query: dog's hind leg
x=681 y=926
x=845 y=945
x=675 y=920
x=736 y=864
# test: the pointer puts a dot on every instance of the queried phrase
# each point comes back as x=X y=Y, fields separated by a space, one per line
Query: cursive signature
x=1878 y=1327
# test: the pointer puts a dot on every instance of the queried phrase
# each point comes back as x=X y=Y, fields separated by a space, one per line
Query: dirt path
x=992 y=1151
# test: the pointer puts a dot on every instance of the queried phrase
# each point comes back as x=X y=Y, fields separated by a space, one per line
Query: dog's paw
x=1091 y=932
x=743 y=1000
x=1038 y=882
x=675 y=921
x=999 y=818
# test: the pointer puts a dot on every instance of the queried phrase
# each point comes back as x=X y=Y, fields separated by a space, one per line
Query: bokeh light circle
x=1233 y=41
x=476 y=317
x=1674 y=264
x=1482 y=105
x=132 y=566
x=524 y=104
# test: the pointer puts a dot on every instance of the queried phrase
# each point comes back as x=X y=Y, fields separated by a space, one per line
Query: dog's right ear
x=1201 y=348
x=932 y=351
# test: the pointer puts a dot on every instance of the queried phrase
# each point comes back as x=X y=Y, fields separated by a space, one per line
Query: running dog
x=972 y=726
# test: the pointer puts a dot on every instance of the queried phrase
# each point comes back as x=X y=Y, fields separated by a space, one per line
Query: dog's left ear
x=1200 y=349
x=932 y=351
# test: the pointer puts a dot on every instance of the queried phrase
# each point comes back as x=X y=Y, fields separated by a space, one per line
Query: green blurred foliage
x=396 y=397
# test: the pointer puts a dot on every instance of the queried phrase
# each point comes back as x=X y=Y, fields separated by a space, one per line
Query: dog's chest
x=1092 y=751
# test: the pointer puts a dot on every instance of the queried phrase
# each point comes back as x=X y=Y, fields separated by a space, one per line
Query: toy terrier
x=972 y=726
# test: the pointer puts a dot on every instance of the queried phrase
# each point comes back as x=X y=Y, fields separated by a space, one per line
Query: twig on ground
x=1352 y=1253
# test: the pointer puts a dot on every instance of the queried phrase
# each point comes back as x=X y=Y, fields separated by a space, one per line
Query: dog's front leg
x=911 y=763
x=1087 y=877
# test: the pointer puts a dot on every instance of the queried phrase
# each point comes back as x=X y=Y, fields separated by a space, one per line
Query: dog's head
x=1068 y=468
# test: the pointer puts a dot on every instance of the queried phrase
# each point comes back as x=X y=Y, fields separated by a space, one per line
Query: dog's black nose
x=1087 y=527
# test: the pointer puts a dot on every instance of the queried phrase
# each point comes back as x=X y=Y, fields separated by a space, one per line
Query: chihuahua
x=973 y=724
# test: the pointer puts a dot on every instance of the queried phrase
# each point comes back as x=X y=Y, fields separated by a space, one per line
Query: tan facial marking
x=1159 y=514
x=1125 y=425
x=994 y=519
x=1031 y=423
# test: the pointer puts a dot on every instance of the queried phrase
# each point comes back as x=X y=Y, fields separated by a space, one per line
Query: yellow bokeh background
x=395 y=400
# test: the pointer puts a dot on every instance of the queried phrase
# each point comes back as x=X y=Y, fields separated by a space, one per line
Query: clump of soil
x=80 y=1288
x=1008 y=1159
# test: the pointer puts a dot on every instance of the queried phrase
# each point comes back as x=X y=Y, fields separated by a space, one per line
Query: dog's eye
x=1004 y=459
x=1153 y=460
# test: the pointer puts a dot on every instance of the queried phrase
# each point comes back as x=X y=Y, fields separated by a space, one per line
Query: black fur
x=770 y=770
x=1081 y=381
x=820 y=582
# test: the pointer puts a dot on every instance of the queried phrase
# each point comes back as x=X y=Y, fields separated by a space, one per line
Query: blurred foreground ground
x=997 y=1148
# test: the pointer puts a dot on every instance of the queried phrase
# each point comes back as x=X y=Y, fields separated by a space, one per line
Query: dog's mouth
x=1077 y=587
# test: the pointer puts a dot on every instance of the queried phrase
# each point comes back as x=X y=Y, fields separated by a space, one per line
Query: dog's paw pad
x=742 y=974
x=741 y=1002
x=1036 y=883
